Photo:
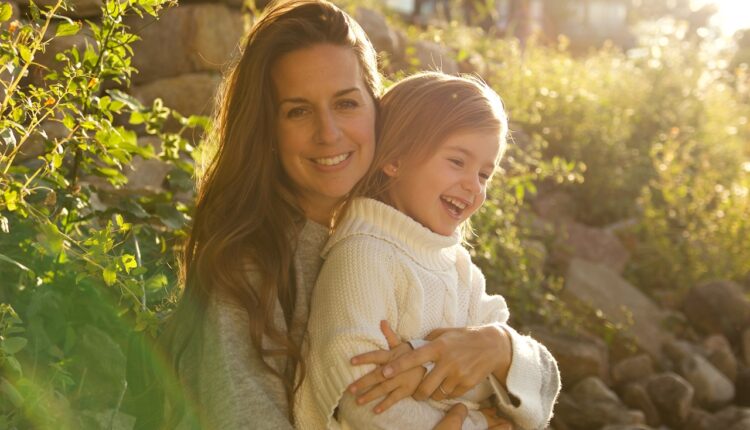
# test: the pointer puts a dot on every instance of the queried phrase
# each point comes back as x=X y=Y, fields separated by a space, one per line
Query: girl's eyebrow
x=304 y=100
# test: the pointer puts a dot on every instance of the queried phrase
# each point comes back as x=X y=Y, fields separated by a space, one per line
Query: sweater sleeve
x=533 y=378
x=354 y=292
x=235 y=389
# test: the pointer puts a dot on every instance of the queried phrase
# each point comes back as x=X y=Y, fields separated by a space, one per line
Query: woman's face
x=325 y=124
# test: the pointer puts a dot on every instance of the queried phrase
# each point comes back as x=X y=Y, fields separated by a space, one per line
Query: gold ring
x=442 y=390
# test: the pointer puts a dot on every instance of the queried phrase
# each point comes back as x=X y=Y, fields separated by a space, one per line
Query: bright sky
x=732 y=16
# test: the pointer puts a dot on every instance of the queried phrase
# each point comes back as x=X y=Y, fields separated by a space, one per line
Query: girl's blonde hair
x=418 y=113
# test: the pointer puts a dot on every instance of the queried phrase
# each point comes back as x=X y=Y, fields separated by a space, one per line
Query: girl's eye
x=485 y=177
x=456 y=162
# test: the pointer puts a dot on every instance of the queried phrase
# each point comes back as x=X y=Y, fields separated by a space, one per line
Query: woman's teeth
x=332 y=161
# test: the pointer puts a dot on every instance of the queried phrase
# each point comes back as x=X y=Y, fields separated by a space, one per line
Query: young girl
x=395 y=255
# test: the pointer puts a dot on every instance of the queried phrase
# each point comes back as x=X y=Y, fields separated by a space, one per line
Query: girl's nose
x=328 y=128
x=472 y=183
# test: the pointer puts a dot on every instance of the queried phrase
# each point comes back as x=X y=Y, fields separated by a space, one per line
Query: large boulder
x=382 y=36
x=577 y=357
x=189 y=94
x=600 y=288
x=591 y=405
x=712 y=388
x=719 y=352
x=698 y=419
x=46 y=60
x=673 y=397
x=718 y=307
x=555 y=206
x=434 y=56
x=632 y=369
x=636 y=396
x=147 y=175
x=593 y=244
x=201 y=37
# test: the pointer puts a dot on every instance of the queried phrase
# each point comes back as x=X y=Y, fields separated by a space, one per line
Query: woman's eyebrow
x=304 y=100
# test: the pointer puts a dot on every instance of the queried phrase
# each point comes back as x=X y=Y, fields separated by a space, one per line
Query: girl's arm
x=354 y=292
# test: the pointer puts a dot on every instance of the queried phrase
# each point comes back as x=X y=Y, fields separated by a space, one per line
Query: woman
x=293 y=133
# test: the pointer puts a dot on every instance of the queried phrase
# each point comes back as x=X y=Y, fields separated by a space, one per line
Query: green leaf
x=68 y=29
x=156 y=282
x=12 y=345
x=109 y=276
x=25 y=53
x=10 y=392
x=34 y=11
x=5 y=12
x=128 y=262
x=11 y=200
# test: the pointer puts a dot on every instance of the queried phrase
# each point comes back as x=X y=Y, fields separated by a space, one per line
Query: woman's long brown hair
x=246 y=214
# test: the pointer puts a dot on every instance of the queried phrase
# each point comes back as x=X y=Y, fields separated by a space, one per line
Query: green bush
x=86 y=262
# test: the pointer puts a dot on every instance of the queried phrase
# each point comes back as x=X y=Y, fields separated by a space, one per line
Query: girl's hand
x=463 y=358
x=494 y=422
x=454 y=418
x=373 y=385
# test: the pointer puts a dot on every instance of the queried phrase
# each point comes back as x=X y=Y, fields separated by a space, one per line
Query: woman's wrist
x=503 y=350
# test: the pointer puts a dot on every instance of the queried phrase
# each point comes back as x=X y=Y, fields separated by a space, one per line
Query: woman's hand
x=463 y=357
x=374 y=385
x=456 y=415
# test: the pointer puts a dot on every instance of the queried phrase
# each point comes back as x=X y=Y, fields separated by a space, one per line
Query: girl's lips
x=452 y=210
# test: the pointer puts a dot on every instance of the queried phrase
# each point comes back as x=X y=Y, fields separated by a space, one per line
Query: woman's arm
x=235 y=389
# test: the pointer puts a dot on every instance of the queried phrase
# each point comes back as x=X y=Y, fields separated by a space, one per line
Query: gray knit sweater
x=235 y=390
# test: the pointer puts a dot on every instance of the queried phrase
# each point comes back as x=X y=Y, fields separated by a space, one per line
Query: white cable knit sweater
x=382 y=265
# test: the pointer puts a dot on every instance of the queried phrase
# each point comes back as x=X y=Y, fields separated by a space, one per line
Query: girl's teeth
x=459 y=204
x=333 y=160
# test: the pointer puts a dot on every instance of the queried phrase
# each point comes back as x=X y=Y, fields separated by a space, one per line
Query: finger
x=378 y=356
x=390 y=336
x=430 y=384
x=436 y=333
x=445 y=389
x=394 y=397
x=494 y=422
x=454 y=418
x=360 y=385
x=410 y=360
x=378 y=391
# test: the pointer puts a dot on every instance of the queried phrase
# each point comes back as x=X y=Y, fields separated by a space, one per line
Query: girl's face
x=325 y=124
x=446 y=189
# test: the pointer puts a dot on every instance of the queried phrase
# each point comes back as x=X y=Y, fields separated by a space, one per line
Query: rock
x=35 y=145
x=626 y=427
x=383 y=38
x=602 y=289
x=146 y=175
x=733 y=418
x=718 y=307
x=591 y=405
x=577 y=357
x=632 y=369
x=555 y=206
x=712 y=388
x=719 y=353
x=189 y=94
x=673 y=397
x=677 y=350
x=636 y=396
x=434 y=56
x=742 y=387
x=77 y=9
x=596 y=245
x=698 y=419
x=201 y=37
x=746 y=346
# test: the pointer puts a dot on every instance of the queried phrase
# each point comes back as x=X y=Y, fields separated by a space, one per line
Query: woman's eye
x=347 y=104
x=296 y=112
x=456 y=162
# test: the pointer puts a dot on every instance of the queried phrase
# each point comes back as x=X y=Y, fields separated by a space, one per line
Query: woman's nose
x=328 y=128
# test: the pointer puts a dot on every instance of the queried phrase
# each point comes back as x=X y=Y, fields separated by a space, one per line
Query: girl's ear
x=391 y=168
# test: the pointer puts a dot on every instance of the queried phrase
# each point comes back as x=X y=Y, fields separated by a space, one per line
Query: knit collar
x=374 y=218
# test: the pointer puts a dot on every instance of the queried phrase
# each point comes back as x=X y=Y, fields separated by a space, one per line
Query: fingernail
x=387 y=371
x=378 y=410
x=352 y=389
x=360 y=401
x=354 y=361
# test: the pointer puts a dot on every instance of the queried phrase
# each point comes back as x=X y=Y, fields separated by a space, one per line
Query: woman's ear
x=391 y=168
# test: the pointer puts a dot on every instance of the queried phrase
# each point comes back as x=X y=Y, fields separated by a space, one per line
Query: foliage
x=86 y=260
